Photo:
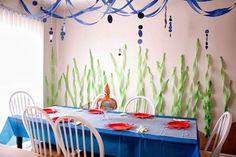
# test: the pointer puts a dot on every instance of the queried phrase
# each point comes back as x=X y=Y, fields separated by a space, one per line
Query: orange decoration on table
x=107 y=103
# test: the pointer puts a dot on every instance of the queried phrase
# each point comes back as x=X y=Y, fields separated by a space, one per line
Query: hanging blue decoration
x=217 y=12
x=51 y=34
x=141 y=15
x=35 y=3
x=207 y=35
x=140 y=34
x=165 y=16
x=44 y=20
x=107 y=4
x=170 y=25
x=140 y=41
x=63 y=33
x=151 y=9
x=119 y=54
x=109 y=18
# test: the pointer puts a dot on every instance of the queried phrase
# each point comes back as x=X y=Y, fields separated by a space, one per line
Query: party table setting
x=132 y=134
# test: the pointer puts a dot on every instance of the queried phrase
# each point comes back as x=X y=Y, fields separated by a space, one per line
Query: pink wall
x=104 y=38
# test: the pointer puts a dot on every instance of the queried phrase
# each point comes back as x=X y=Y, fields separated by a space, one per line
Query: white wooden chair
x=71 y=133
x=218 y=136
x=40 y=129
x=19 y=100
x=140 y=104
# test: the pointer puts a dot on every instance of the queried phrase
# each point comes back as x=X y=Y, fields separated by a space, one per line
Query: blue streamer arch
x=122 y=11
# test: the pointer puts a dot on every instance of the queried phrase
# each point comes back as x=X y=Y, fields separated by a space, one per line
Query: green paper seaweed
x=68 y=91
x=79 y=80
x=179 y=87
x=122 y=77
x=194 y=93
x=158 y=97
x=92 y=75
x=207 y=99
x=226 y=85
x=88 y=88
x=142 y=69
x=52 y=86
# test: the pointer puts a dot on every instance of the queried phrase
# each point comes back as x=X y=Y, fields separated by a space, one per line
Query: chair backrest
x=219 y=134
x=40 y=129
x=139 y=104
x=75 y=134
x=19 y=100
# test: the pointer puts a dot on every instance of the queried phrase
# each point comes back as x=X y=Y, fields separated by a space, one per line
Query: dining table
x=159 y=139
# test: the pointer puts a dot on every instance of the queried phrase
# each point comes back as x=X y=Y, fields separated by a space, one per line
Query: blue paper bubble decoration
x=207 y=35
x=50 y=34
x=170 y=25
x=109 y=18
x=35 y=3
x=140 y=34
x=165 y=17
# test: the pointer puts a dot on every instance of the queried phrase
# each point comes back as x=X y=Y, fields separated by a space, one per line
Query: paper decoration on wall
x=207 y=34
x=35 y=3
x=50 y=34
x=214 y=13
x=63 y=31
x=140 y=15
x=170 y=25
x=165 y=17
x=140 y=34
x=119 y=54
x=151 y=9
x=109 y=19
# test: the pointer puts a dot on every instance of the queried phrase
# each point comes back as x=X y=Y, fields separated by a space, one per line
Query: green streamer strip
x=194 y=93
x=207 y=99
x=179 y=87
x=142 y=68
x=123 y=78
x=226 y=85
x=92 y=75
x=53 y=86
x=88 y=87
x=67 y=86
x=159 y=97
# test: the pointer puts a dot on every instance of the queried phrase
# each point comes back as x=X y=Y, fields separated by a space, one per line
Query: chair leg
x=19 y=141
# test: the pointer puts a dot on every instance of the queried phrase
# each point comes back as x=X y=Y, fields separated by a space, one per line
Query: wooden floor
x=6 y=151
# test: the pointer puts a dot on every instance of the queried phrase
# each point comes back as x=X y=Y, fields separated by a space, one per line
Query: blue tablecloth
x=159 y=141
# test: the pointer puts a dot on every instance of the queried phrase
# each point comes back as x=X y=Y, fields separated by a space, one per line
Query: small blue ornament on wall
x=50 y=34
x=109 y=19
x=140 y=34
x=170 y=25
x=63 y=31
x=34 y=3
x=207 y=35
x=165 y=16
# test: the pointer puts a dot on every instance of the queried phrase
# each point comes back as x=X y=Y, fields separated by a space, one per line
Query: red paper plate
x=119 y=126
x=178 y=124
x=49 y=110
x=95 y=111
x=142 y=115
x=65 y=119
